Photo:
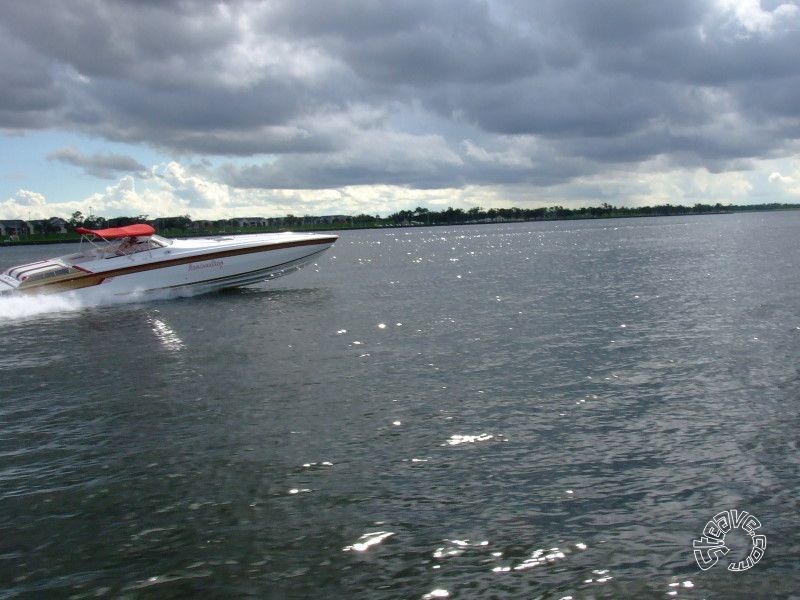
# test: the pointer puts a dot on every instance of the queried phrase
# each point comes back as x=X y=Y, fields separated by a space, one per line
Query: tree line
x=425 y=216
x=420 y=216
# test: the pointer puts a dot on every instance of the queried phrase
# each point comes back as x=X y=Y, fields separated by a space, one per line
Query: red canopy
x=119 y=232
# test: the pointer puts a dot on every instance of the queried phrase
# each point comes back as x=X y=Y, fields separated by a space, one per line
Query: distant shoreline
x=432 y=219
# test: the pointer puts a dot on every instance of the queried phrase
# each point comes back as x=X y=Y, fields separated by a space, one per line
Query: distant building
x=331 y=219
x=249 y=222
x=14 y=228
x=202 y=225
x=58 y=224
x=52 y=225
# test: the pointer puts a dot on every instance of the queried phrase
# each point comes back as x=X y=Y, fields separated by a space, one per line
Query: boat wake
x=26 y=307
x=16 y=308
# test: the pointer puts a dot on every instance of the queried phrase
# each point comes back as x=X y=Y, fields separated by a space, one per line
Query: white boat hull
x=189 y=266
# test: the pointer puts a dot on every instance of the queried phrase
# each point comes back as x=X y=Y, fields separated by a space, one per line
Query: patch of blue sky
x=24 y=164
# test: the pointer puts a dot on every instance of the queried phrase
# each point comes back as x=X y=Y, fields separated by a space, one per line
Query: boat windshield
x=134 y=244
x=160 y=242
x=114 y=248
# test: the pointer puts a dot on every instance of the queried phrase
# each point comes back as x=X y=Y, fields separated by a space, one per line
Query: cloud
x=173 y=188
x=754 y=18
x=372 y=157
x=28 y=198
x=418 y=95
x=29 y=94
x=26 y=204
x=193 y=189
x=788 y=183
x=102 y=165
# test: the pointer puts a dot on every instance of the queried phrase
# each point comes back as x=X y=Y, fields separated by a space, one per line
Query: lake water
x=532 y=410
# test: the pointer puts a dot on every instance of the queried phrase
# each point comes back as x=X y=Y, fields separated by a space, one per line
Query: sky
x=248 y=108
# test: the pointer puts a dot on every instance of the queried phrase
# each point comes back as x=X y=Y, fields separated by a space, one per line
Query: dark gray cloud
x=29 y=94
x=421 y=93
x=102 y=165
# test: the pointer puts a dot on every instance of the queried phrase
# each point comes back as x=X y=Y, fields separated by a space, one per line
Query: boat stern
x=44 y=276
x=8 y=285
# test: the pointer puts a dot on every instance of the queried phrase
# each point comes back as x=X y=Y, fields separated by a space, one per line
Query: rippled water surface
x=538 y=410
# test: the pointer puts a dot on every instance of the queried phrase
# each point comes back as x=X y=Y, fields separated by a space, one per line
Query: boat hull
x=184 y=267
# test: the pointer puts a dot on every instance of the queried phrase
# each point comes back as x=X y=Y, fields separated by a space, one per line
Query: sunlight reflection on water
x=525 y=410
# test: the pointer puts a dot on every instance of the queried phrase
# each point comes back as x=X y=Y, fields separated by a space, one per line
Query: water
x=536 y=410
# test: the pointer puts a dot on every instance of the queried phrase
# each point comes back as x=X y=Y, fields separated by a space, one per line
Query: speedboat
x=133 y=259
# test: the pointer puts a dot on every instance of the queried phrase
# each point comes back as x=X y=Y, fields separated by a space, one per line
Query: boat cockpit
x=97 y=244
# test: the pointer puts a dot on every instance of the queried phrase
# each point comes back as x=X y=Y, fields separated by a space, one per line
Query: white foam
x=16 y=308
x=24 y=307
x=367 y=540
